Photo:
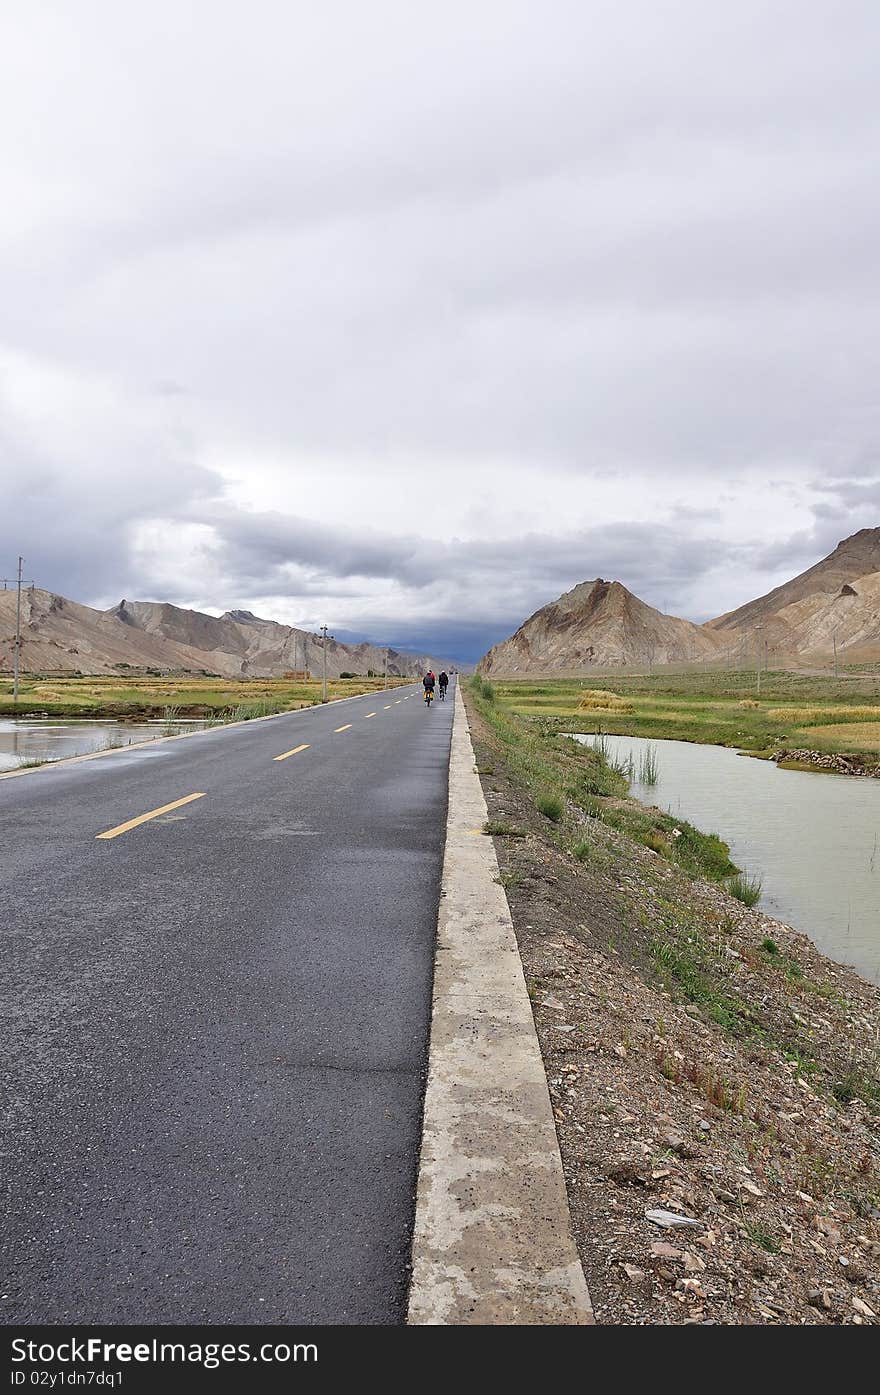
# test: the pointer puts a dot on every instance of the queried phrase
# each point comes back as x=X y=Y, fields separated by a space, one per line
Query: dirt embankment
x=714 y=1077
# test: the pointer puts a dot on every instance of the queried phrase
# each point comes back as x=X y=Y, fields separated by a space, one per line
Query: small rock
x=758 y=1264
x=551 y=1002
x=692 y=1286
x=724 y=1195
x=676 y=1144
x=636 y=1275
x=693 y=1264
x=825 y=1225
x=820 y=1298
x=863 y=1308
x=671 y=1220
x=628 y=1172
x=661 y=1250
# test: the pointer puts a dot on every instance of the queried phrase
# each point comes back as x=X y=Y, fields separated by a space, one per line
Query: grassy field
x=139 y=698
x=718 y=707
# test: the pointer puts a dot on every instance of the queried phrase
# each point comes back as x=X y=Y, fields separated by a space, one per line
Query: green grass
x=499 y=828
x=745 y=888
x=668 y=936
x=555 y=770
x=759 y=1234
x=715 y=707
x=550 y=806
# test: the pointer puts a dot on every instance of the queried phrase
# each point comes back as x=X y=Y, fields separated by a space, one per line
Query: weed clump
x=550 y=806
x=746 y=889
x=499 y=828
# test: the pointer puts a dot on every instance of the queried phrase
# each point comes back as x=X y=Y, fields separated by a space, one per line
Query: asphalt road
x=216 y=1022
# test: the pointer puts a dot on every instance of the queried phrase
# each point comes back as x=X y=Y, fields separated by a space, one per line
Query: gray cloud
x=394 y=316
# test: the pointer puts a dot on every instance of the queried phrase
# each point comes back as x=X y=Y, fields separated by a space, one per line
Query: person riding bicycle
x=443 y=680
x=428 y=685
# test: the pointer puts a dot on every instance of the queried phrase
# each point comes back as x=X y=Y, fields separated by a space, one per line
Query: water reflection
x=813 y=839
x=23 y=741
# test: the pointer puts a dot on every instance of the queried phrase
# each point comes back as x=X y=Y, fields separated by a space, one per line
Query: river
x=813 y=839
x=24 y=741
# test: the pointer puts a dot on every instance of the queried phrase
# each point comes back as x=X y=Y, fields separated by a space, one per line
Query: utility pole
x=324 y=663
x=385 y=674
x=834 y=638
x=16 y=580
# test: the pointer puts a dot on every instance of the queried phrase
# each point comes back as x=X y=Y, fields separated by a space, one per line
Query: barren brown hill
x=601 y=624
x=62 y=636
x=598 y=624
x=831 y=579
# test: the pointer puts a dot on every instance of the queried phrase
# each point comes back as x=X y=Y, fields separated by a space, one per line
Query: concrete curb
x=178 y=736
x=492 y=1240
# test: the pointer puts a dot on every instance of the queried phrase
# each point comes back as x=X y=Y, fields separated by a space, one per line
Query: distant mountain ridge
x=597 y=624
x=63 y=636
x=600 y=624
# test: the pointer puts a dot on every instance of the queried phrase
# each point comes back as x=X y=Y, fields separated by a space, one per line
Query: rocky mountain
x=837 y=599
x=62 y=636
x=598 y=624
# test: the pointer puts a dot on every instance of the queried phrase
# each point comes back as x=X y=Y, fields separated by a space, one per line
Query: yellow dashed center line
x=145 y=818
x=369 y=714
x=388 y=707
x=345 y=728
x=295 y=752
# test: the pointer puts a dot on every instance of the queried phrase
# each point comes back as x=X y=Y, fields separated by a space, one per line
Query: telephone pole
x=17 y=582
x=324 y=663
x=834 y=637
x=385 y=674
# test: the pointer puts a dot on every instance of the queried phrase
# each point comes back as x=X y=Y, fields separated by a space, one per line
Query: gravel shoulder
x=704 y=1061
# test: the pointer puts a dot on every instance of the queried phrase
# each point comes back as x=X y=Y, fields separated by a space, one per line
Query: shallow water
x=23 y=740
x=813 y=839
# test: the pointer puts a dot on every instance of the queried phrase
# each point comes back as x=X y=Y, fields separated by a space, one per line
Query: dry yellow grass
x=603 y=701
x=839 y=736
x=806 y=715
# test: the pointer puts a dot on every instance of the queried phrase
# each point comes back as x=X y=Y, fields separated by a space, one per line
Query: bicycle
x=442 y=692
x=429 y=696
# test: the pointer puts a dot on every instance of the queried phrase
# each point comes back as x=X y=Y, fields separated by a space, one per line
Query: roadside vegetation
x=817 y=712
x=702 y=1058
x=141 y=698
x=581 y=799
x=567 y=780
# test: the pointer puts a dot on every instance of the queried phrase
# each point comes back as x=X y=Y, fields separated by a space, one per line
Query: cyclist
x=443 y=680
x=428 y=685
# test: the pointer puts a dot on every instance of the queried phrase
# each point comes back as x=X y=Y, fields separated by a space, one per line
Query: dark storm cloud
x=278 y=555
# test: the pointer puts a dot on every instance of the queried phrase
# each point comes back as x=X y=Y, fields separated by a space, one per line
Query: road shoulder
x=492 y=1240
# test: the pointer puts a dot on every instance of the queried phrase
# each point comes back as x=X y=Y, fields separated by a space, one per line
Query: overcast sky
x=409 y=317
